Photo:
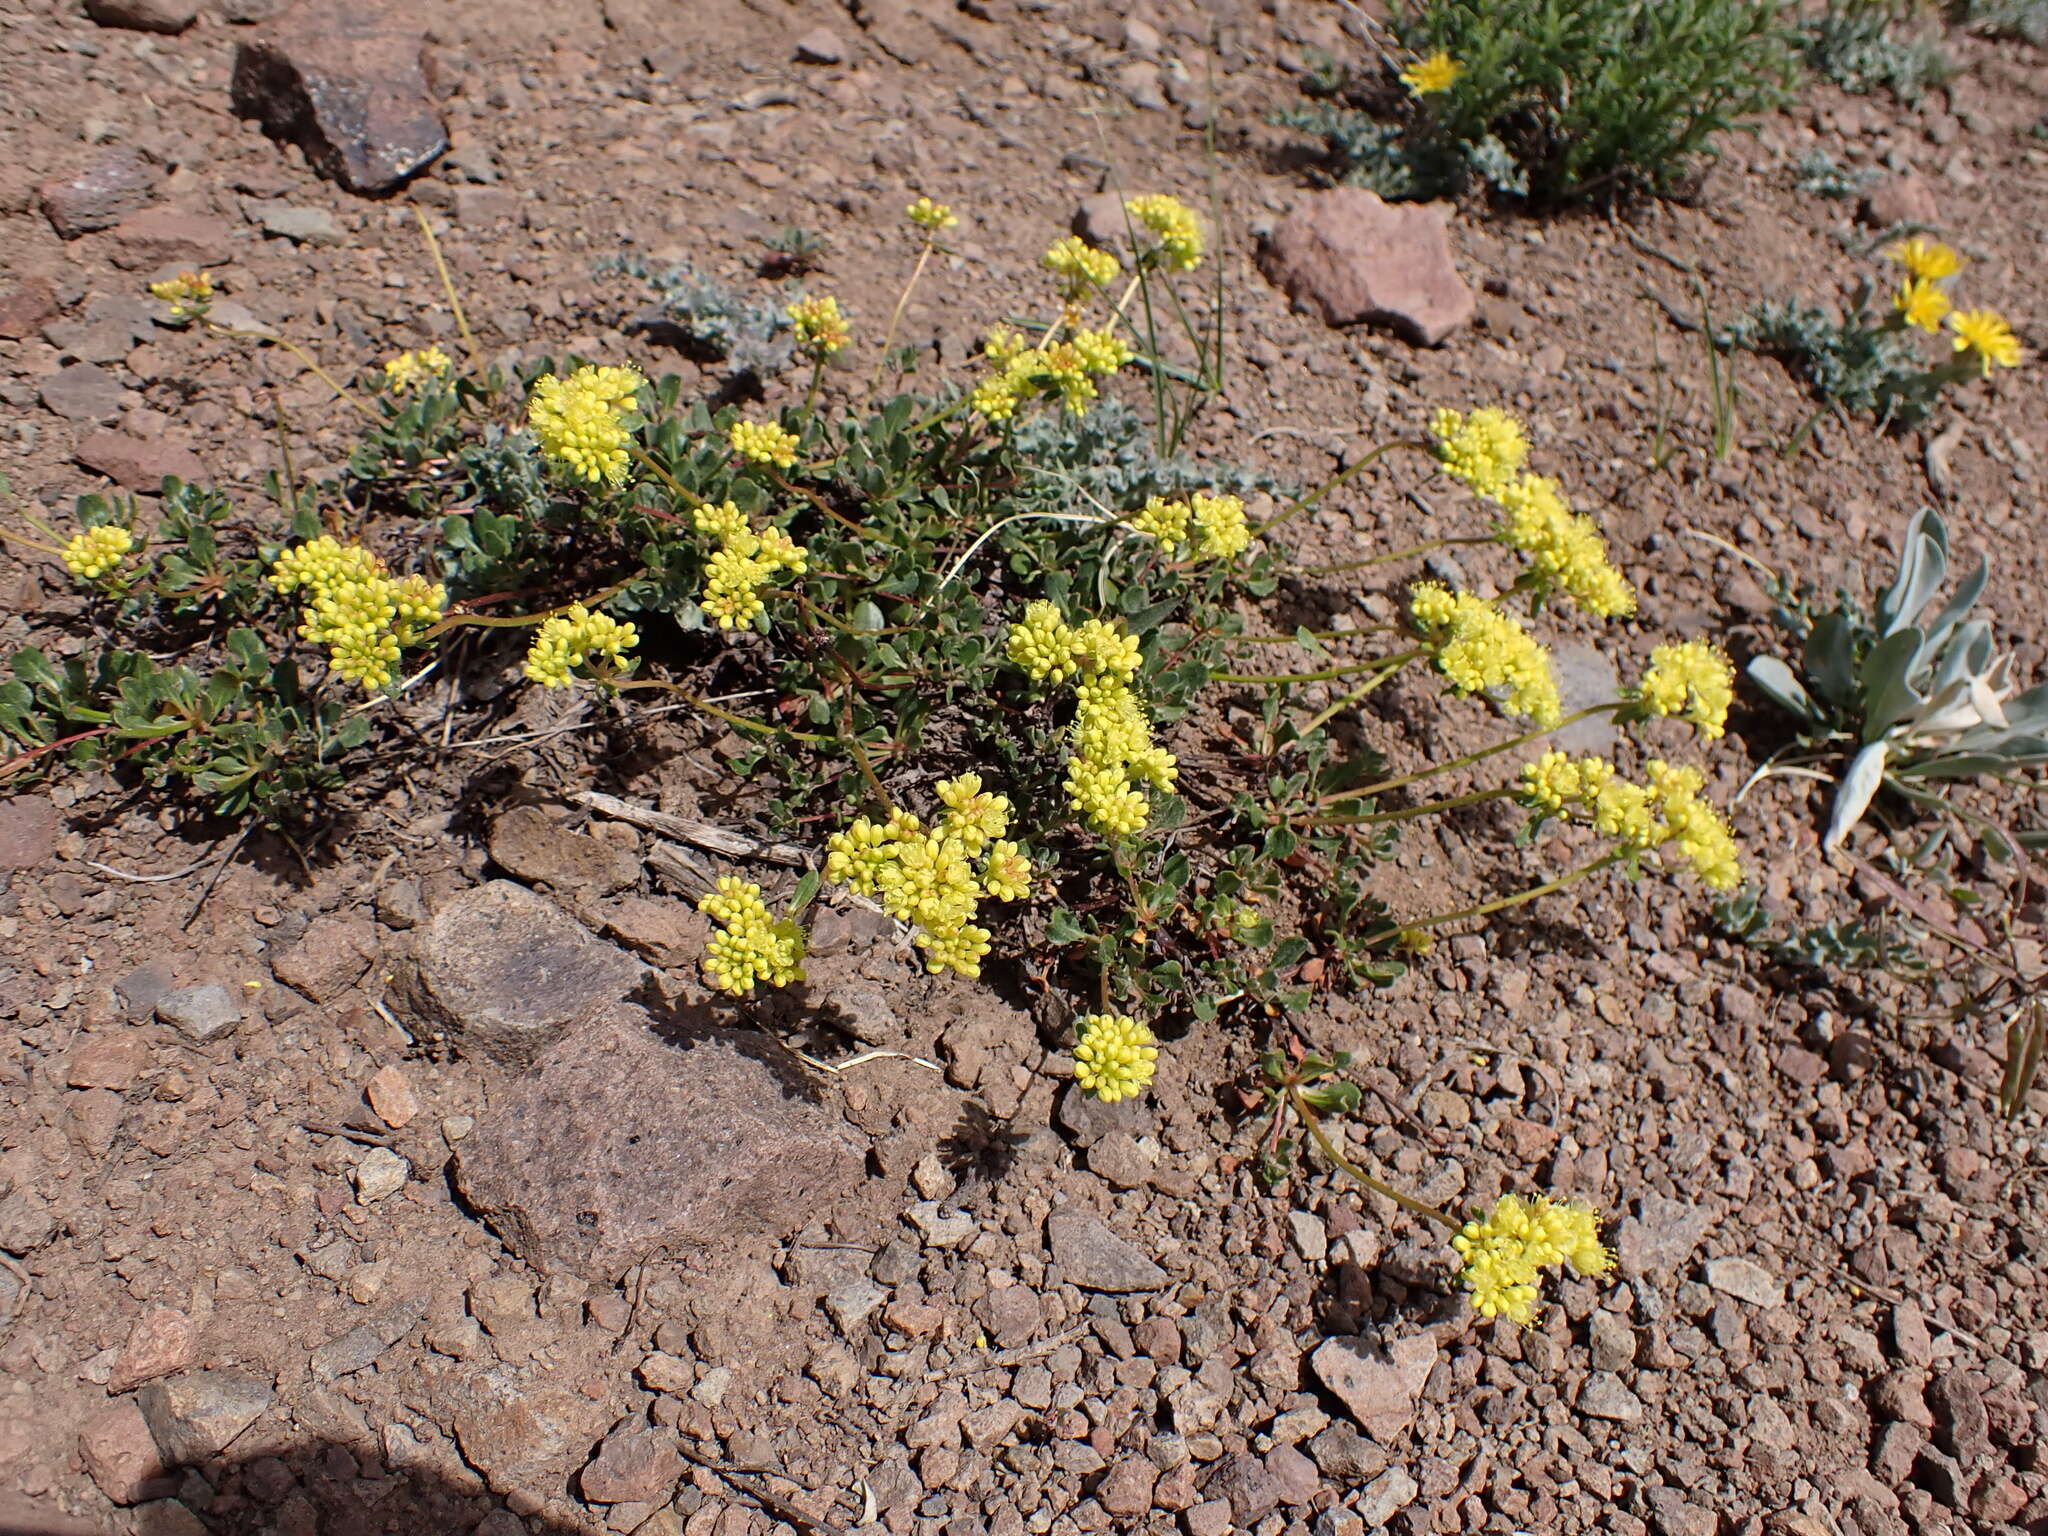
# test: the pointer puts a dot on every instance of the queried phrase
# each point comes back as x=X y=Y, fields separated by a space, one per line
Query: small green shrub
x=1865 y=45
x=1557 y=100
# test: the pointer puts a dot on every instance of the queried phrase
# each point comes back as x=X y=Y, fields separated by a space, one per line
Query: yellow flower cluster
x=1218 y=522
x=580 y=421
x=566 y=640
x=1115 y=1057
x=1485 y=450
x=96 y=551
x=190 y=294
x=752 y=945
x=354 y=608
x=1666 y=811
x=763 y=442
x=1067 y=369
x=1173 y=222
x=1564 y=547
x=1506 y=1251
x=1080 y=267
x=1480 y=648
x=1694 y=678
x=821 y=330
x=926 y=876
x=1112 y=735
x=743 y=563
x=414 y=370
x=930 y=217
x=1426 y=77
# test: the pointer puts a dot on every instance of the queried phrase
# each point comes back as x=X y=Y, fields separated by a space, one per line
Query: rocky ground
x=422 y=1187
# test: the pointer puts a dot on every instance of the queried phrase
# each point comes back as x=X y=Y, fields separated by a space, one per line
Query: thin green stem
x=1503 y=903
x=896 y=316
x=1346 y=670
x=741 y=721
x=811 y=394
x=1313 y=1124
x=1342 y=477
x=647 y=462
x=1408 y=813
x=447 y=284
x=341 y=391
x=1472 y=757
x=1388 y=559
x=1318 y=721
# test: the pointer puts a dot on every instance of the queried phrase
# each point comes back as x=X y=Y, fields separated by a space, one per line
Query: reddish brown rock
x=138 y=463
x=348 y=85
x=1906 y=199
x=528 y=843
x=1351 y=258
x=115 y=184
x=169 y=237
x=635 y=1464
x=108 y=1061
x=161 y=1343
x=24 y=308
x=391 y=1096
x=647 y=1131
x=121 y=1455
x=167 y=16
x=330 y=959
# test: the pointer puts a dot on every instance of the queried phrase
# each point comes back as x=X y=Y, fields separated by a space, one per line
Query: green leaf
x=806 y=891
x=1062 y=927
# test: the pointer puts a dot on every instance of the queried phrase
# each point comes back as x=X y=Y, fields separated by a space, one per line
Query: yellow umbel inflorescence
x=1564 y=547
x=580 y=421
x=1066 y=370
x=1165 y=522
x=1557 y=781
x=1426 y=77
x=933 y=218
x=1217 y=523
x=1667 y=812
x=1080 y=267
x=926 y=876
x=1694 y=678
x=1926 y=259
x=763 y=442
x=354 y=607
x=1919 y=302
x=1507 y=1249
x=1984 y=334
x=821 y=330
x=1484 y=450
x=1115 y=1057
x=1694 y=827
x=93 y=553
x=190 y=295
x=573 y=638
x=752 y=945
x=1173 y=223
x=1480 y=648
x=745 y=560
x=415 y=370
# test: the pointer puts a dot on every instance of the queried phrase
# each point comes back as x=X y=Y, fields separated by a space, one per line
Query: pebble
x=1611 y=1342
x=391 y=1096
x=121 y=1455
x=1118 y=1160
x=1385 y=1496
x=1378 y=1389
x=1095 y=1258
x=1604 y=1396
x=820 y=45
x=302 y=226
x=1745 y=1281
x=200 y=1413
x=200 y=1014
x=381 y=1174
x=83 y=392
x=1311 y=1237
x=162 y=1342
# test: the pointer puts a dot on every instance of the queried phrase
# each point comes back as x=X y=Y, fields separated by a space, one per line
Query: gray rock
x=1604 y=1396
x=1088 y=1119
x=199 y=1013
x=1385 y=1497
x=1345 y=1456
x=1350 y=257
x=1585 y=676
x=1745 y=1282
x=301 y=226
x=346 y=84
x=1118 y=1160
x=820 y=45
x=114 y=184
x=200 y=1413
x=1377 y=1387
x=1611 y=1342
x=1095 y=1258
x=505 y=974
x=166 y=16
x=359 y=1348
x=83 y=392
x=1659 y=1238
x=381 y=1174
x=645 y=1131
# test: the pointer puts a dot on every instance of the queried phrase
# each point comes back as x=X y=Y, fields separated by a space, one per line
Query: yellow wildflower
x=1557 y=780
x=1507 y=1249
x=742 y=564
x=1115 y=1057
x=1043 y=644
x=933 y=218
x=1919 y=302
x=568 y=640
x=355 y=609
x=579 y=421
x=1984 y=332
x=1694 y=827
x=93 y=553
x=1564 y=547
x=925 y=877
x=1927 y=259
x=1007 y=874
x=1102 y=352
x=190 y=295
x=1174 y=223
x=1003 y=343
x=1225 y=534
x=414 y=370
x=1080 y=267
x=1426 y=77
x=1480 y=648
x=1163 y=520
x=1626 y=813
x=974 y=816
x=764 y=442
x=1695 y=678
x=821 y=330
x=1106 y=649
x=752 y=945
x=1484 y=450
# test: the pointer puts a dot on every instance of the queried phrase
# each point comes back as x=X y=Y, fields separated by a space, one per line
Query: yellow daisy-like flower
x=1927 y=259
x=579 y=421
x=568 y=640
x=1696 y=678
x=753 y=945
x=1484 y=450
x=821 y=330
x=1427 y=77
x=1179 y=232
x=1080 y=267
x=933 y=218
x=1507 y=1249
x=413 y=370
x=1919 y=302
x=1985 y=333
x=1115 y=1056
x=764 y=442
x=96 y=551
x=1480 y=648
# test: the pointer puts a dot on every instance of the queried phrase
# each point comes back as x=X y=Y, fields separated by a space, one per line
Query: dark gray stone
x=167 y=16
x=115 y=183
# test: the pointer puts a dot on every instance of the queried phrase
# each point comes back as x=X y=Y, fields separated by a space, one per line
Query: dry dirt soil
x=1030 y=1315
